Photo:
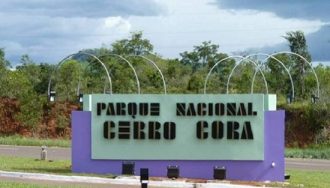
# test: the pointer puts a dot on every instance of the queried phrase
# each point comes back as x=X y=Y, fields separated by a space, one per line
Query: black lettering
x=180 y=109
x=154 y=109
x=250 y=110
x=169 y=130
x=217 y=130
x=132 y=109
x=100 y=107
x=232 y=130
x=123 y=129
x=154 y=127
x=138 y=130
x=219 y=109
x=144 y=109
x=121 y=109
x=107 y=130
x=111 y=109
x=231 y=109
x=201 y=134
x=191 y=110
x=210 y=109
x=247 y=131
x=241 y=110
x=201 y=109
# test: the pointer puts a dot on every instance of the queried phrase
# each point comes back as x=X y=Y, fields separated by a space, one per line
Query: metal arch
x=130 y=65
x=155 y=65
x=69 y=57
x=88 y=66
x=277 y=60
x=257 y=67
x=309 y=64
x=215 y=65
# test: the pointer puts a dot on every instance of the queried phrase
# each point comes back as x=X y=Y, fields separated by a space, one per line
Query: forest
x=25 y=108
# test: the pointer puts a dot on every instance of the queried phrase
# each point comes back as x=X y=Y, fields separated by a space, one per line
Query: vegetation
x=25 y=110
x=9 y=184
x=310 y=179
x=28 y=141
x=20 y=164
x=312 y=152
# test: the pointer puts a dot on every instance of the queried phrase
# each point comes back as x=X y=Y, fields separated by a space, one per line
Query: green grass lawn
x=25 y=141
x=11 y=184
x=309 y=179
x=20 y=164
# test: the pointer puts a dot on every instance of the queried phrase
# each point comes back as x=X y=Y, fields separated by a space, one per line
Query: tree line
x=27 y=86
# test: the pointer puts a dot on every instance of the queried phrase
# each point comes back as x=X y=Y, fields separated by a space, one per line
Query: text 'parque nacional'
x=137 y=128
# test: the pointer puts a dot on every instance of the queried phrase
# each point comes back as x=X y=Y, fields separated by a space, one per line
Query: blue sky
x=50 y=30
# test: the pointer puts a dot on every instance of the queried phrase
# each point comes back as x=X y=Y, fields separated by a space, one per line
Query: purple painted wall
x=236 y=170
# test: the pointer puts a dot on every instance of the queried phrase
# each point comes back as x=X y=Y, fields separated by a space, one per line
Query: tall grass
x=312 y=152
x=26 y=141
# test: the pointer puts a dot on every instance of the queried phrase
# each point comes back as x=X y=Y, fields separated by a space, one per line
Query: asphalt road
x=65 y=154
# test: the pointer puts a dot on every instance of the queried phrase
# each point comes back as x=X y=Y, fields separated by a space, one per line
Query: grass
x=20 y=164
x=9 y=184
x=25 y=141
x=313 y=152
x=308 y=178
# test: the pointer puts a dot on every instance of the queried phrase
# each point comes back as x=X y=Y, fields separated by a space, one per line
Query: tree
x=67 y=80
x=204 y=54
x=298 y=44
x=136 y=45
x=30 y=70
x=3 y=62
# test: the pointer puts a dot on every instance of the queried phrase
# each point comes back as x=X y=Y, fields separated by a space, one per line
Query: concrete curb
x=122 y=180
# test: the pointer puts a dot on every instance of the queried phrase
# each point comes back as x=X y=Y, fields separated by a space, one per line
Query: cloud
x=318 y=45
x=51 y=38
x=190 y=23
x=81 y=8
x=306 y=9
x=49 y=30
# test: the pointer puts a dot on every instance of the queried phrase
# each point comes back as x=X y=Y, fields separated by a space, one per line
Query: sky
x=48 y=31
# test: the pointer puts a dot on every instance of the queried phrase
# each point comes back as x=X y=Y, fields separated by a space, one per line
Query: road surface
x=65 y=154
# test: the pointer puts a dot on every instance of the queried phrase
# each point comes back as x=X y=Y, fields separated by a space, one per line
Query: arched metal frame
x=104 y=89
x=243 y=61
x=308 y=63
x=281 y=63
x=232 y=57
x=69 y=57
x=155 y=65
x=130 y=65
x=215 y=65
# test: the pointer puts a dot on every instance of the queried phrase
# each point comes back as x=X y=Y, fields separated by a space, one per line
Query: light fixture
x=52 y=96
x=219 y=173
x=128 y=168
x=80 y=98
x=144 y=177
x=173 y=171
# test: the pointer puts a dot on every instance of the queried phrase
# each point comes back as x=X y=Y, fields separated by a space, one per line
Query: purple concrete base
x=236 y=170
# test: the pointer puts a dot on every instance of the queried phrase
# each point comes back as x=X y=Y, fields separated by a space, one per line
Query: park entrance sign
x=177 y=127
x=197 y=134
x=243 y=133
